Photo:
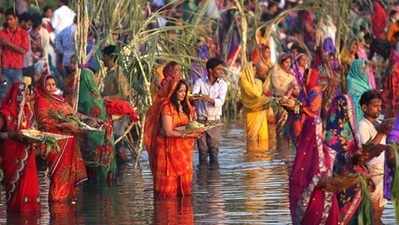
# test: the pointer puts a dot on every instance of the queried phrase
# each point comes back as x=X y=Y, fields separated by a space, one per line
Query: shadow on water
x=248 y=187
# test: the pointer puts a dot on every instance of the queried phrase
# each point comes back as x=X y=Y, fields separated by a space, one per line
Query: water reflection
x=249 y=187
x=173 y=211
x=208 y=194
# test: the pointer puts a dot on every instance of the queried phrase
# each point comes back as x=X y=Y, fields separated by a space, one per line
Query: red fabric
x=67 y=168
x=121 y=107
x=391 y=91
x=11 y=59
x=313 y=79
x=379 y=20
x=20 y=174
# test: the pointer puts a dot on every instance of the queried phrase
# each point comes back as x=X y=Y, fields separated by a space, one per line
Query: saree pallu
x=171 y=160
x=98 y=150
x=255 y=104
x=67 y=168
x=309 y=204
x=358 y=83
x=341 y=125
x=19 y=162
x=20 y=177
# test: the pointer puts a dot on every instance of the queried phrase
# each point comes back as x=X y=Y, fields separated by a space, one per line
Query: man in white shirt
x=373 y=133
x=209 y=107
x=63 y=17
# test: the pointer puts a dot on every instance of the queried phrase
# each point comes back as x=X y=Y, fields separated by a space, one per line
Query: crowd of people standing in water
x=335 y=107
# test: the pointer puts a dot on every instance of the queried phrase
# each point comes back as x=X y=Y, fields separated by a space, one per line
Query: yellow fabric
x=255 y=104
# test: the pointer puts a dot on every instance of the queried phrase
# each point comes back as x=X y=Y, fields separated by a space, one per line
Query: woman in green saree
x=97 y=147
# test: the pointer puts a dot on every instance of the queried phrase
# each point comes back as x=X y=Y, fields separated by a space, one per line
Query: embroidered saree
x=341 y=128
x=98 y=150
x=310 y=205
x=357 y=84
x=19 y=162
x=255 y=105
x=66 y=167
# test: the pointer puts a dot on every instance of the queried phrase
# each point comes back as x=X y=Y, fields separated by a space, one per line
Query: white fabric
x=367 y=133
x=217 y=92
x=376 y=166
x=62 y=18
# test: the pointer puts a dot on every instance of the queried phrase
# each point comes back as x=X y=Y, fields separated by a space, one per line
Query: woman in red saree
x=19 y=162
x=310 y=204
x=170 y=151
x=66 y=167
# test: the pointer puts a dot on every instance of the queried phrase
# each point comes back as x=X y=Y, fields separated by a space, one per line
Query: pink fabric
x=371 y=76
x=308 y=203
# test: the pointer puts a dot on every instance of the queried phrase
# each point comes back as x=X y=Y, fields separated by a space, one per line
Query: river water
x=249 y=187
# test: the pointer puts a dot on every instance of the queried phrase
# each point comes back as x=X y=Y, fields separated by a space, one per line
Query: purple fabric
x=393 y=138
x=388 y=180
x=328 y=46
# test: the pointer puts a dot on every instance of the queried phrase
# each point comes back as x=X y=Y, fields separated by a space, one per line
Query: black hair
x=24 y=17
x=36 y=20
x=10 y=12
x=64 y=2
x=368 y=96
x=110 y=50
x=46 y=8
x=184 y=103
x=213 y=62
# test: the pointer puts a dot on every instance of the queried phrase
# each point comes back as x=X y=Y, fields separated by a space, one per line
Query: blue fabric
x=358 y=83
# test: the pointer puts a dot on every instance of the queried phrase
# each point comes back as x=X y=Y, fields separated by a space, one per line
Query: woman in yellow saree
x=255 y=103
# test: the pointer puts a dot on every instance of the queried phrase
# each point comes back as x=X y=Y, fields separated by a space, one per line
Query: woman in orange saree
x=170 y=151
x=19 y=163
x=66 y=166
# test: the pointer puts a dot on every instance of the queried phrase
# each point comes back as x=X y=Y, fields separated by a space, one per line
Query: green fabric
x=189 y=10
x=91 y=103
x=358 y=83
x=364 y=216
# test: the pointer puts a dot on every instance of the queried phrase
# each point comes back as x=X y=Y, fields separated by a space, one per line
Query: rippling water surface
x=248 y=187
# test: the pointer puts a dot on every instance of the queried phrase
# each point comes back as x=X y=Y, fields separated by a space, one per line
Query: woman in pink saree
x=310 y=204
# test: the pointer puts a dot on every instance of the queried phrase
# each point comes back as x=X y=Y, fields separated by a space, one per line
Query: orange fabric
x=392 y=30
x=67 y=168
x=170 y=158
x=174 y=211
x=153 y=115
